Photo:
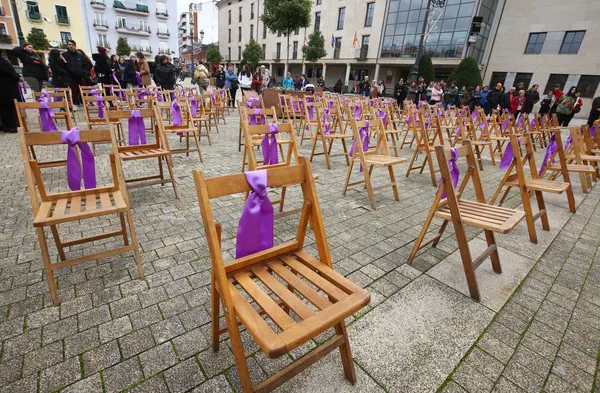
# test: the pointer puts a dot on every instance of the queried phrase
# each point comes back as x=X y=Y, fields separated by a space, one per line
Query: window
x=229 y=16
x=3 y=30
x=229 y=36
x=33 y=10
x=102 y=41
x=369 y=15
x=251 y=32
x=61 y=14
x=337 y=47
x=264 y=31
x=497 y=77
x=278 y=51
x=319 y=2
x=239 y=33
x=121 y=22
x=279 y=34
x=264 y=50
x=239 y=53
x=145 y=45
x=240 y=14
x=297 y=31
x=143 y=24
x=572 y=42
x=556 y=79
x=294 y=50
x=587 y=86
x=228 y=54
x=252 y=11
x=317 y=20
x=364 y=46
x=99 y=20
x=535 y=43
x=65 y=36
x=524 y=78
x=340 y=21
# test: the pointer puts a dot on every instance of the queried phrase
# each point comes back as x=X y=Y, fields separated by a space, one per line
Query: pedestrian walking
x=164 y=74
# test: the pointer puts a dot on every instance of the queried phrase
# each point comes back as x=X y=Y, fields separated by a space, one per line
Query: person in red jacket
x=556 y=92
x=517 y=104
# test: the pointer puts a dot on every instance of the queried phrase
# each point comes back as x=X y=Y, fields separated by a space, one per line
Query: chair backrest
x=286 y=134
x=23 y=108
x=147 y=115
x=91 y=109
x=218 y=187
x=375 y=127
x=246 y=114
x=163 y=125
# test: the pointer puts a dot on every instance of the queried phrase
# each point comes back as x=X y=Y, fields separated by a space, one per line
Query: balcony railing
x=5 y=39
x=134 y=7
x=141 y=30
x=164 y=52
x=103 y=44
x=162 y=14
x=143 y=49
x=361 y=53
x=163 y=33
x=101 y=24
x=98 y=3
x=34 y=16
x=276 y=56
x=62 y=20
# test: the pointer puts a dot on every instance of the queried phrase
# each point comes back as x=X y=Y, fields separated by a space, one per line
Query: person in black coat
x=102 y=66
x=78 y=68
x=164 y=74
x=9 y=80
x=129 y=78
x=35 y=72
x=60 y=73
x=494 y=98
x=532 y=96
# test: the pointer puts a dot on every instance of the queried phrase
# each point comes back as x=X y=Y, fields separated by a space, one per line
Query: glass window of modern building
x=448 y=28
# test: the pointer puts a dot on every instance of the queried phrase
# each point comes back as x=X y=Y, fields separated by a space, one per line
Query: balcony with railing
x=62 y=20
x=139 y=30
x=163 y=33
x=101 y=25
x=103 y=44
x=99 y=4
x=5 y=38
x=361 y=53
x=34 y=16
x=164 y=51
x=276 y=56
x=130 y=7
x=144 y=49
x=162 y=14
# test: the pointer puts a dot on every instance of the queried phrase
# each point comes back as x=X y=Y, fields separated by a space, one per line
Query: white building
x=205 y=15
x=147 y=25
x=553 y=44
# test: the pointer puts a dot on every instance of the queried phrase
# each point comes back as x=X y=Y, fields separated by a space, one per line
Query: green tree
x=252 y=54
x=466 y=73
x=426 y=68
x=123 y=48
x=212 y=53
x=38 y=39
x=315 y=48
x=285 y=16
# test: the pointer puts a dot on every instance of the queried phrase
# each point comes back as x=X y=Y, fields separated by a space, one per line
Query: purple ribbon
x=255 y=229
x=439 y=112
x=383 y=116
x=569 y=140
x=458 y=131
x=74 y=173
x=311 y=112
x=158 y=95
x=532 y=123
x=22 y=90
x=454 y=170
x=250 y=102
x=269 y=146
x=100 y=104
x=508 y=155
x=137 y=130
x=295 y=106
x=116 y=79
x=549 y=153
x=504 y=125
x=138 y=76
x=520 y=121
x=57 y=99
x=357 y=112
x=213 y=99
x=474 y=116
x=143 y=93
x=364 y=137
x=330 y=104
x=326 y=124
x=44 y=97
x=194 y=106
x=419 y=104
x=256 y=118
x=46 y=116
x=594 y=130
x=176 y=114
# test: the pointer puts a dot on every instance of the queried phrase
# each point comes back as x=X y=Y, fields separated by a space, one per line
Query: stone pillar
x=347 y=78
x=303 y=69
x=324 y=69
x=376 y=74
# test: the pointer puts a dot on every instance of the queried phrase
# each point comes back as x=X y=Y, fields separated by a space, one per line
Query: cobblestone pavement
x=114 y=332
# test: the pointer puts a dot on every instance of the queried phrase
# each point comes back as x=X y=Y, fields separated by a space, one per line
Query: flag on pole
x=354 y=40
x=332 y=41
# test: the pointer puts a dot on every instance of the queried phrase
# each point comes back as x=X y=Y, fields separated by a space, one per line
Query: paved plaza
x=537 y=327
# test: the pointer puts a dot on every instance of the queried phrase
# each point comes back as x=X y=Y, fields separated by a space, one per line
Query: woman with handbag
x=567 y=106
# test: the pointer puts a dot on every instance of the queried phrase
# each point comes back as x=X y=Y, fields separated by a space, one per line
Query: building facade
x=378 y=38
x=8 y=31
x=534 y=46
x=148 y=26
x=60 y=20
x=201 y=21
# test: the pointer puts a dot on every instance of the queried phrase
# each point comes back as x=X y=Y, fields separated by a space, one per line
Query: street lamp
x=414 y=71
x=194 y=50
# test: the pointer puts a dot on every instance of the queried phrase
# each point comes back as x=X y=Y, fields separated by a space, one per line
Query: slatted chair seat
x=376 y=159
x=141 y=153
x=77 y=207
x=293 y=279
x=584 y=157
x=576 y=168
x=552 y=186
x=484 y=216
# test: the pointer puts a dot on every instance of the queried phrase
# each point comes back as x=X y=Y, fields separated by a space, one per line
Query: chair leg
x=345 y=150
x=367 y=176
x=47 y=265
x=346 y=354
x=124 y=229
x=282 y=201
x=431 y=169
x=542 y=206
x=160 y=170
x=394 y=184
x=59 y=246
x=465 y=256
x=215 y=311
x=136 y=246
x=348 y=175
x=489 y=237
x=325 y=152
x=198 y=145
x=238 y=353
x=170 y=168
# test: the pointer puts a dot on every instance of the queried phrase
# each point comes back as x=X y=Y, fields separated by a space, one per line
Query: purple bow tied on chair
x=474 y=116
x=330 y=104
x=255 y=229
x=439 y=112
x=137 y=130
x=532 y=123
x=100 y=104
x=57 y=99
x=311 y=112
x=143 y=93
x=383 y=116
x=326 y=124
x=256 y=118
x=44 y=97
x=458 y=131
x=74 y=173
x=213 y=99
x=269 y=146
x=46 y=117
x=520 y=121
x=420 y=104
x=138 y=76
x=250 y=102
x=508 y=155
x=454 y=170
x=158 y=95
x=504 y=125
x=194 y=107
x=357 y=112
x=568 y=143
x=176 y=114
x=364 y=138
x=594 y=130
x=549 y=153
x=295 y=106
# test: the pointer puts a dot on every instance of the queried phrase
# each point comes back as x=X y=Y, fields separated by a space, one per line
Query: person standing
x=245 y=79
x=102 y=67
x=302 y=82
x=517 y=104
x=436 y=94
x=9 y=80
x=532 y=97
x=201 y=76
x=35 y=72
x=257 y=80
x=337 y=88
x=365 y=86
x=76 y=67
x=266 y=77
x=451 y=94
x=546 y=103
x=60 y=73
x=164 y=73
x=129 y=70
x=144 y=69
x=475 y=98
x=494 y=98
x=565 y=105
x=231 y=83
x=483 y=101
x=220 y=77
x=507 y=99
x=288 y=82
x=557 y=93
x=594 y=112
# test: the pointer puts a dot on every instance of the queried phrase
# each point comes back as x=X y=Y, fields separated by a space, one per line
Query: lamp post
x=194 y=49
x=414 y=71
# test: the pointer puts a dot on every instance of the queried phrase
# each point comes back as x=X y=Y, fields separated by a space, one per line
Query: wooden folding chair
x=185 y=129
x=154 y=149
x=59 y=95
x=335 y=133
x=425 y=148
x=50 y=210
x=481 y=140
x=200 y=119
x=310 y=296
x=262 y=117
x=377 y=156
x=531 y=184
x=461 y=212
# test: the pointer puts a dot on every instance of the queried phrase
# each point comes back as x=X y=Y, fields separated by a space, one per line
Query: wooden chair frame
x=335 y=133
x=425 y=147
x=185 y=128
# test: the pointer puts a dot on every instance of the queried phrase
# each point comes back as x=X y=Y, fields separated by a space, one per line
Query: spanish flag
x=354 y=40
